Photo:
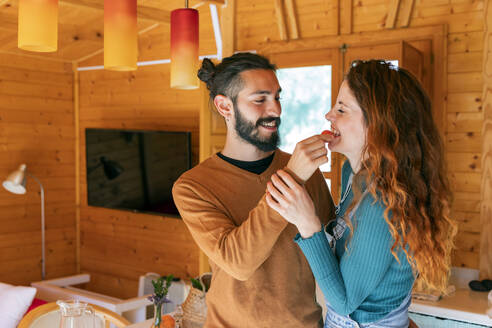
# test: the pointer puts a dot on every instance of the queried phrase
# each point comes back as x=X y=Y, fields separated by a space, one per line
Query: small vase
x=156 y=323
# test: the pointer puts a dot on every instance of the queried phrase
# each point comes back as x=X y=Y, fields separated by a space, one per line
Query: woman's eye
x=340 y=110
x=259 y=101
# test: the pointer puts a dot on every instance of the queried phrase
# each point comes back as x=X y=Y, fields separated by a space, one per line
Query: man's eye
x=259 y=101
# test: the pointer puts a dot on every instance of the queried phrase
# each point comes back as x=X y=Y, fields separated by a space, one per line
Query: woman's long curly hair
x=403 y=163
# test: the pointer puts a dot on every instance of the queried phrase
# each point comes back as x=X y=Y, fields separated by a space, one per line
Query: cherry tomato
x=327 y=132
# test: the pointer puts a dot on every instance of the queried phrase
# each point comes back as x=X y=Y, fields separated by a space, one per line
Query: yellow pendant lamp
x=38 y=25
x=120 y=35
x=184 y=48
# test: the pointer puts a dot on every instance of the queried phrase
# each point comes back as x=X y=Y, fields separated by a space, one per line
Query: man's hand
x=308 y=155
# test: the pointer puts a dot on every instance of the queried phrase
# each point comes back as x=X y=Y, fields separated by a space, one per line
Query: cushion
x=14 y=302
x=35 y=303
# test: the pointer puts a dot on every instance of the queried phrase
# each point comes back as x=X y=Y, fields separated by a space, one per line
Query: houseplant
x=159 y=297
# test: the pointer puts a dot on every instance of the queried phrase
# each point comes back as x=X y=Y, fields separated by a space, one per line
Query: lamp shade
x=16 y=181
x=120 y=35
x=38 y=25
x=184 y=48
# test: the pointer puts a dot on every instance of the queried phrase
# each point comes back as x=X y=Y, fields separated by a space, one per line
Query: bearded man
x=260 y=277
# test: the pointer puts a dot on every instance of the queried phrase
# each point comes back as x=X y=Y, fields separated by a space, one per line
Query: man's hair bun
x=207 y=72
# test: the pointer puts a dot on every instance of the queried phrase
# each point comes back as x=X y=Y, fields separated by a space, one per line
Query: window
x=306 y=98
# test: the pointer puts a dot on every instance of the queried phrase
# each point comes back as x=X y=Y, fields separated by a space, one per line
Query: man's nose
x=275 y=109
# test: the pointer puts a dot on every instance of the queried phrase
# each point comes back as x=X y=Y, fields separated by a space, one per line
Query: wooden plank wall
x=465 y=83
x=119 y=246
x=37 y=128
x=486 y=210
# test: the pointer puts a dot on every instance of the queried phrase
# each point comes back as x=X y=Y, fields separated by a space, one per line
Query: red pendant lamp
x=120 y=35
x=38 y=25
x=184 y=48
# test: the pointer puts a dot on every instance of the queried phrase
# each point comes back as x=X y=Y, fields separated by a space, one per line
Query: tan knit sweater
x=260 y=277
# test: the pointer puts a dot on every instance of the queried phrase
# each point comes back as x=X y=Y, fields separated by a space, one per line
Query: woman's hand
x=293 y=202
x=308 y=155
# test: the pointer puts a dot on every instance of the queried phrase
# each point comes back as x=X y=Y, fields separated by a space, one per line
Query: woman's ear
x=224 y=106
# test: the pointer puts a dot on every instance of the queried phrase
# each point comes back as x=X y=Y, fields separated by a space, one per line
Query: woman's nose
x=329 y=116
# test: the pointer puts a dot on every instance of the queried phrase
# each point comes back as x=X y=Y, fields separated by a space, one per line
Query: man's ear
x=224 y=106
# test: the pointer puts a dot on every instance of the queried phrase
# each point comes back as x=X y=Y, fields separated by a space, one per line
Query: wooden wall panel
x=464 y=162
x=465 y=122
x=463 y=102
x=465 y=82
x=37 y=128
x=119 y=246
x=465 y=42
x=486 y=186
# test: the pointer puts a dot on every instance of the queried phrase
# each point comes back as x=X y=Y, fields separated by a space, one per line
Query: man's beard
x=250 y=132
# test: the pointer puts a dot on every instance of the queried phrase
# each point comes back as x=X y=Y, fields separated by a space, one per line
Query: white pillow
x=14 y=302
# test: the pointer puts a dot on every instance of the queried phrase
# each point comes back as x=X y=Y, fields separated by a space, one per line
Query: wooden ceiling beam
x=286 y=15
x=336 y=15
x=279 y=12
x=392 y=13
x=346 y=17
x=406 y=12
x=148 y=13
x=228 y=28
x=291 y=19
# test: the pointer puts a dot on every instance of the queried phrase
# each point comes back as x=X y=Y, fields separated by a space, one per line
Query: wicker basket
x=195 y=307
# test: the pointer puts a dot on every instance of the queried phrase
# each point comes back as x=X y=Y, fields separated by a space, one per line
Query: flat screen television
x=135 y=170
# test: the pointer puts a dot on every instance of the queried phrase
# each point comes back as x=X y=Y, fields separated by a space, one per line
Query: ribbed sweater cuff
x=318 y=253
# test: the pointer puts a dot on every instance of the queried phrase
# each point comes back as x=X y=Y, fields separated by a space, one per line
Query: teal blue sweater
x=365 y=281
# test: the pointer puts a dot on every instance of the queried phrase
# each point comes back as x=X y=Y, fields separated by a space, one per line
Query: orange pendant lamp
x=184 y=48
x=120 y=35
x=38 y=25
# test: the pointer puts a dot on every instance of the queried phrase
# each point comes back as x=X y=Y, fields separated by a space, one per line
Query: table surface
x=463 y=305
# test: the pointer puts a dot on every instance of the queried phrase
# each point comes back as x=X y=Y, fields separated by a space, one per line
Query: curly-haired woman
x=393 y=225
